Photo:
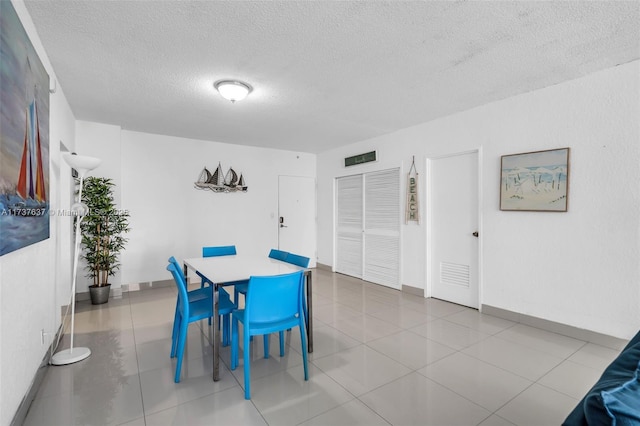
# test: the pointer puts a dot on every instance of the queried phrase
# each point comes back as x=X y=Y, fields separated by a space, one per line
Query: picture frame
x=24 y=138
x=535 y=181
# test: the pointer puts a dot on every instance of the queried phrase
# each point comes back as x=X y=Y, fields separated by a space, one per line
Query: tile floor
x=381 y=357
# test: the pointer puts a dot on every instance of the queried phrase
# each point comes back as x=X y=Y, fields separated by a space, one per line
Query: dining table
x=222 y=271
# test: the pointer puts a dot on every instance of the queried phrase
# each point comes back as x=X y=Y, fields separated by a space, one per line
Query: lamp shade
x=81 y=163
x=233 y=90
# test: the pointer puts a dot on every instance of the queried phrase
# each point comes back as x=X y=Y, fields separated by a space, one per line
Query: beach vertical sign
x=412 y=212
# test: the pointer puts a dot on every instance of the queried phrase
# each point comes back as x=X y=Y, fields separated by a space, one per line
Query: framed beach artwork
x=535 y=181
x=24 y=137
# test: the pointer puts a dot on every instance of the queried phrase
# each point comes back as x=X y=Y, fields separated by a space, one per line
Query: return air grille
x=452 y=273
x=361 y=159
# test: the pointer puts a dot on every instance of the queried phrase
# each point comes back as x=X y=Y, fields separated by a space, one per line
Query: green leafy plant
x=103 y=229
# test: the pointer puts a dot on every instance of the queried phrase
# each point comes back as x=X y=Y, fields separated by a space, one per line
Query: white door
x=454 y=220
x=382 y=228
x=297 y=216
x=349 y=226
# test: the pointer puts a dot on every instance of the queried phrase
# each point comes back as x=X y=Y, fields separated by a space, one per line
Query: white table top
x=224 y=269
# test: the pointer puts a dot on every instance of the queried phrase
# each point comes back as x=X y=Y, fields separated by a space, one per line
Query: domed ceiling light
x=233 y=90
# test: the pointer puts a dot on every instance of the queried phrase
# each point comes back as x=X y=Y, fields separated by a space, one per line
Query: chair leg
x=225 y=329
x=304 y=306
x=234 y=343
x=266 y=346
x=303 y=339
x=247 y=372
x=182 y=338
x=281 y=343
x=174 y=333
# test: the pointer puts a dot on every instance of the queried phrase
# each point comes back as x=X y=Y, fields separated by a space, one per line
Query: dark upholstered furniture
x=615 y=398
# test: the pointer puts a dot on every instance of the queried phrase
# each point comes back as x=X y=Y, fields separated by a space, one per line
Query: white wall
x=30 y=280
x=579 y=268
x=169 y=217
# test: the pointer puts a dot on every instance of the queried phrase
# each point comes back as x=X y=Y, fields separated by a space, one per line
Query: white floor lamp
x=82 y=164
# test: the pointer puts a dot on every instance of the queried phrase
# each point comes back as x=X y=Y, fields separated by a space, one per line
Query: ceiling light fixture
x=233 y=90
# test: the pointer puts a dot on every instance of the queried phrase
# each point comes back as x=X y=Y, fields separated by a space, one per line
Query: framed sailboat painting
x=24 y=137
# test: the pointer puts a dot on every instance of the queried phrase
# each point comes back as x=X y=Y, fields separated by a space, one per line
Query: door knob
x=475 y=234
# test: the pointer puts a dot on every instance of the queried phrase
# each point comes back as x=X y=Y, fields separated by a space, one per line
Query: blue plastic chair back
x=273 y=299
x=218 y=251
x=278 y=254
x=178 y=277
x=296 y=259
x=174 y=262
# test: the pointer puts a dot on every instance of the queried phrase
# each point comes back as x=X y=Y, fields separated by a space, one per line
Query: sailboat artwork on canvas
x=31 y=185
x=218 y=181
x=24 y=138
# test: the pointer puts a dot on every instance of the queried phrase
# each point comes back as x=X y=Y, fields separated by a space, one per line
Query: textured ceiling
x=325 y=73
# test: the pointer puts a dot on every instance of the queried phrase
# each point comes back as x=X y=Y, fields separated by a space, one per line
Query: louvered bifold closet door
x=349 y=226
x=382 y=228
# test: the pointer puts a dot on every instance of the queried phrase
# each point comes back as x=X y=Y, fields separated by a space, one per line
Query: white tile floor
x=381 y=357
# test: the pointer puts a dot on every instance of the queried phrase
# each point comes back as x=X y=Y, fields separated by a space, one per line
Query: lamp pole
x=82 y=164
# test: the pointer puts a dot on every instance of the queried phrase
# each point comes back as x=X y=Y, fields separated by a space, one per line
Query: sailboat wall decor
x=24 y=137
x=218 y=181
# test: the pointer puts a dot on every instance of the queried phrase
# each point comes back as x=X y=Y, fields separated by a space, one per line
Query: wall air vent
x=361 y=159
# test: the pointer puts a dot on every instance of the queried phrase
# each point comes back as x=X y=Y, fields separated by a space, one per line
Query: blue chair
x=199 y=294
x=278 y=254
x=218 y=251
x=273 y=303
x=188 y=311
x=296 y=259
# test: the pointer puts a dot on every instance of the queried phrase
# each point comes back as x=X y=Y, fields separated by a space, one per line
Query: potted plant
x=103 y=230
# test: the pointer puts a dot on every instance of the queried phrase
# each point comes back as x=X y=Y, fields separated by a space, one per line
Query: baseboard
x=25 y=404
x=82 y=296
x=416 y=291
x=125 y=288
x=114 y=292
x=324 y=267
x=147 y=285
x=556 y=327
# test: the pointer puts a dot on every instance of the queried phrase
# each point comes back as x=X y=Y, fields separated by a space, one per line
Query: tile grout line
x=135 y=345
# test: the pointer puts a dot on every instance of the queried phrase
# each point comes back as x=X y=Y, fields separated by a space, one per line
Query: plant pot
x=99 y=294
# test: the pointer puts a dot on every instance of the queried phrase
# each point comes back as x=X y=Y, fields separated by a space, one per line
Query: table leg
x=309 y=314
x=216 y=335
